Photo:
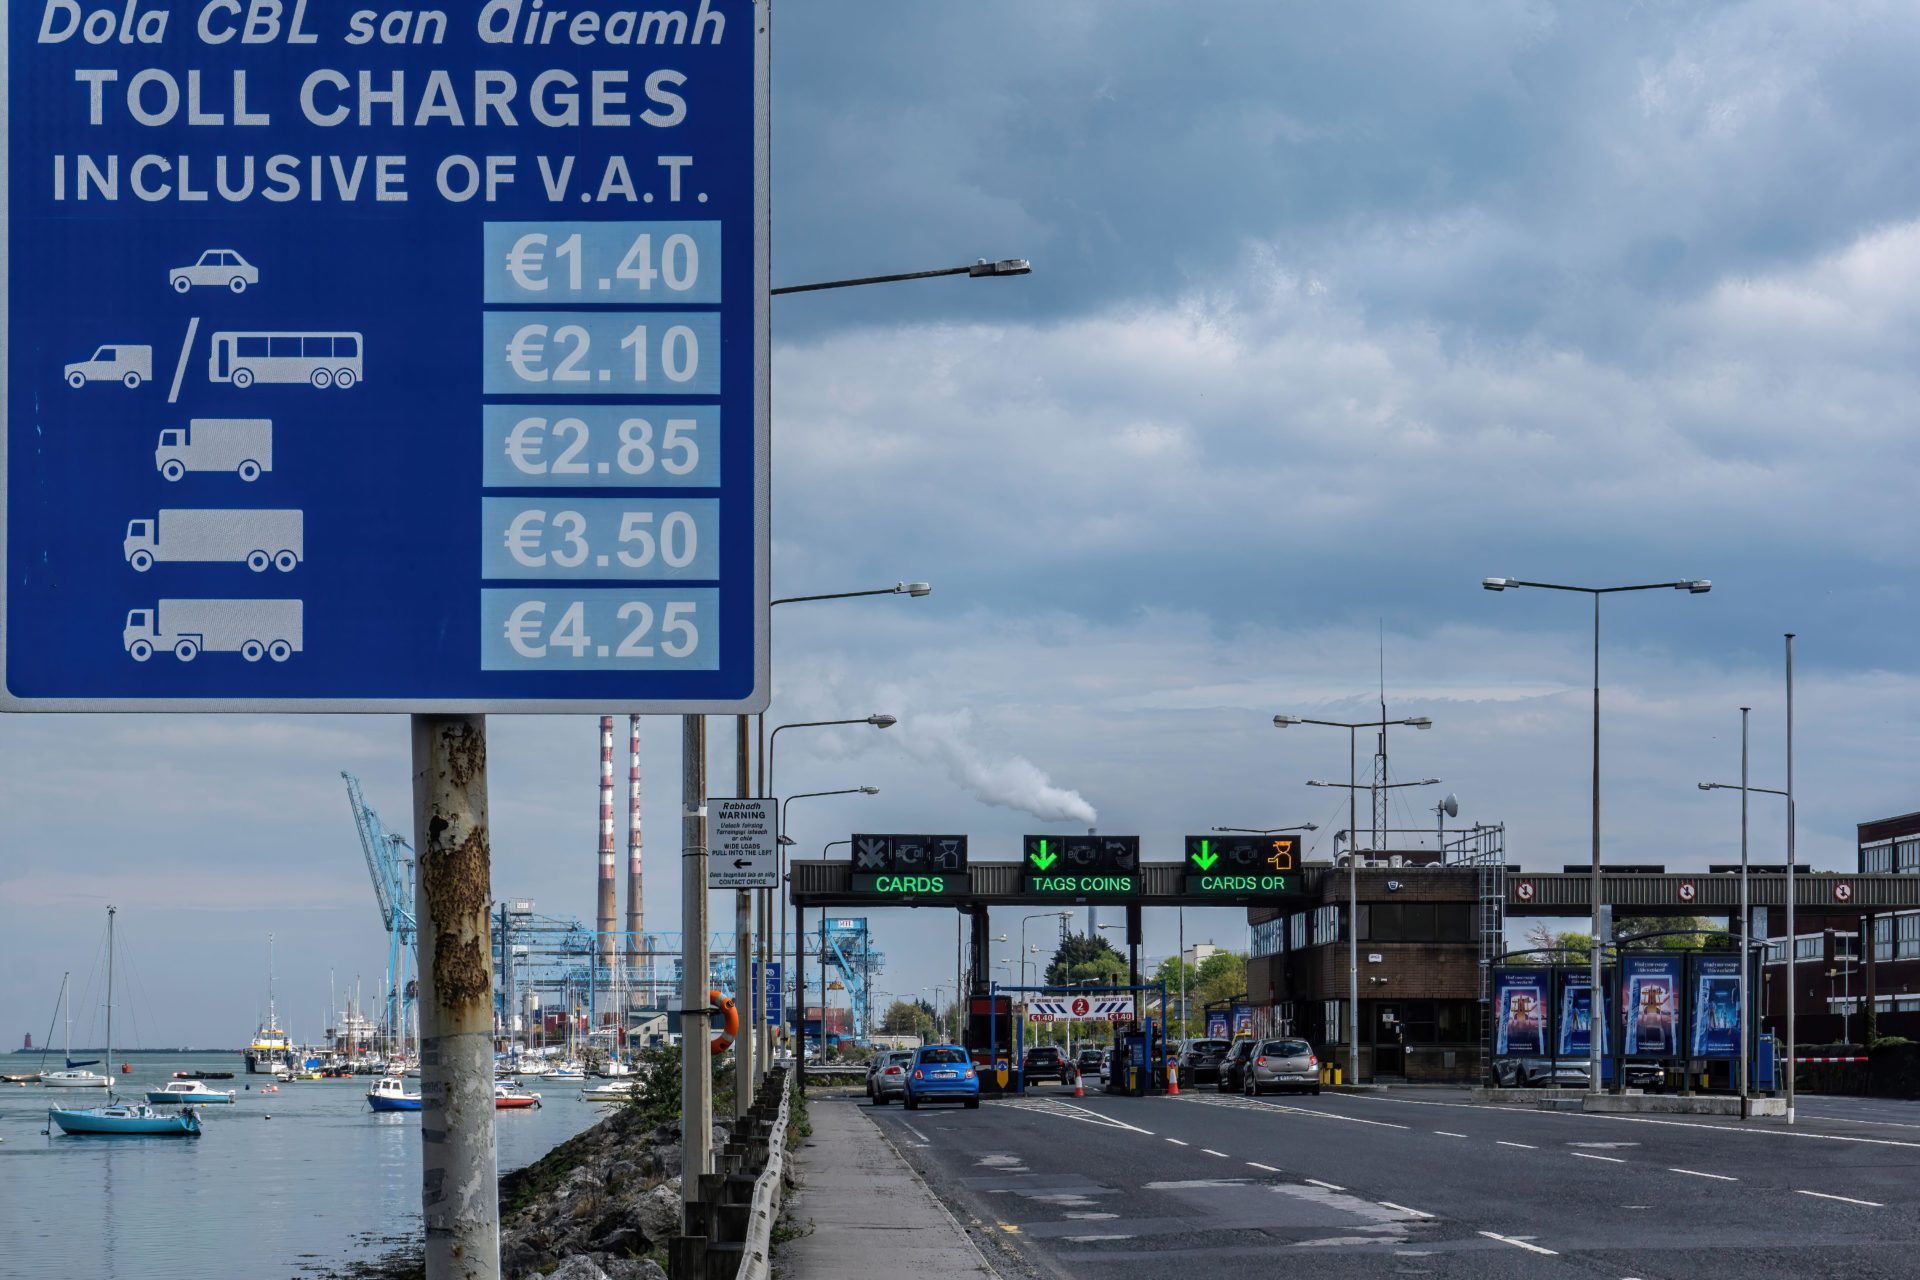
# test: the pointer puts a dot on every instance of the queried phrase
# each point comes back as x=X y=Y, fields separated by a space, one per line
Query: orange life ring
x=731 y=1013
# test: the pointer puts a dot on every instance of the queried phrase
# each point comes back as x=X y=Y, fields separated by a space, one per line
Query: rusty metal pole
x=744 y=1074
x=459 y=1183
x=696 y=1059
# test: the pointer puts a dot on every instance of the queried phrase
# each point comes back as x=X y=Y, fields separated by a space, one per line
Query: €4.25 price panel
x=385 y=360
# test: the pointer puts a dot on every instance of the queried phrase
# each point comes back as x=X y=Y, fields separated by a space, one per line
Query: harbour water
x=324 y=1182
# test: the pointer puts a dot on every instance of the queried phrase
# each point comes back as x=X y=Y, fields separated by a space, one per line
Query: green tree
x=1086 y=960
x=1696 y=934
x=908 y=1018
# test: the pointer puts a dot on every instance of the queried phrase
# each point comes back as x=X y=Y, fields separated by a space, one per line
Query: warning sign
x=741 y=845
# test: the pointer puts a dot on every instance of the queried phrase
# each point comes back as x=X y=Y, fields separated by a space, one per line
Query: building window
x=1330 y=1015
x=1907 y=855
x=1270 y=937
x=1297 y=931
x=1877 y=858
x=1907 y=935
x=1882 y=938
x=1326 y=924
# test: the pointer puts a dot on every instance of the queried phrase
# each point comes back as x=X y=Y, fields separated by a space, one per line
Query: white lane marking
x=1178 y=1143
x=1418 y=1213
x=1328 y=1185
x=1096 y=1118
x=1332 y=1115
x=1695 y=1173
x=1223 y=1155
x=1443 y=1133
x=1524 y=1146
x=1090 y=1239
x=925 y=1141
x=1871 y=1204
x=1093 y=1217
x=1257 y=1165
x=180 y=369
x=1588 y=1155
x=1519 y=1244
x=1067 y=1111
x=1191 y=1184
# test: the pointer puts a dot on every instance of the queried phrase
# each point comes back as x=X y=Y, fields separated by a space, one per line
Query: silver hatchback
x=1282 y=1064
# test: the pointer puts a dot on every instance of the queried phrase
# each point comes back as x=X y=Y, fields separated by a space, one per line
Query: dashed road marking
x=1588 y=1155
x=1695 y=1173
x=1328 y=1185
x=1210 y=1151
x=1519 y=1244
x=1871 y=1204
x=1443 y=1133
x=1418 y=1213
x=1177 y=1142
x=1257 y=1165
x=1524 y=1146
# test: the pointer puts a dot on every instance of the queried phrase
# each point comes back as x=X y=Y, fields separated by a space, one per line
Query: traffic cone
x=1173 y=1079
x=1079 y=1089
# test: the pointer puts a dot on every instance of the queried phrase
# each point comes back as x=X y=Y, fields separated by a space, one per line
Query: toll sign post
x=1242 y=868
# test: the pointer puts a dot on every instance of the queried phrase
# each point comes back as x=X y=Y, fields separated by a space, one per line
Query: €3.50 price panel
x=359 y=363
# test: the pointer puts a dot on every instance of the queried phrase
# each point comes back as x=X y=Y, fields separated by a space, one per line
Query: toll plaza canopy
x=819 y=883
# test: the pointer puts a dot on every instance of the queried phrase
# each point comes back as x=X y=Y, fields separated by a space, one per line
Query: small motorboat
x=390 y=1094
x=203 y=1075
x=133 y=1119
x=72 y=1079
x=192 y=1091
x=568 y=1072
x=611 y=1091
x=508 y=1097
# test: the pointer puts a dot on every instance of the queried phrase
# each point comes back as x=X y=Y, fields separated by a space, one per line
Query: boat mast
x=108 y=1060
x=67 y=1010
x=273 y=1021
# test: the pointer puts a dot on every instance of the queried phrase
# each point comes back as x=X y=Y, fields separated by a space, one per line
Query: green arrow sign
x=1206 y=857
x=1042 y=859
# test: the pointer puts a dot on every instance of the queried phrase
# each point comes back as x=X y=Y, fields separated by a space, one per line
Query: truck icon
x=253 y=538
x=130 y=364
x=243 y=446
x=251 y=628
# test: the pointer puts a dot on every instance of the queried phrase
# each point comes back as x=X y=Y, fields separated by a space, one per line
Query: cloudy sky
x=1336 y=309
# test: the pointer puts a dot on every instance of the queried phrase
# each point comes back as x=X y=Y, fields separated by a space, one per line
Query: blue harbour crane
x=390 y=863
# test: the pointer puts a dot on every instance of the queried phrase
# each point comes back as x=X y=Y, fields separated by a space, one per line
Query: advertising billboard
x=1520 y=1012
x=1650 y=1004
x=1576 y=1015
x=1216 y=1024
x=1716 y=1007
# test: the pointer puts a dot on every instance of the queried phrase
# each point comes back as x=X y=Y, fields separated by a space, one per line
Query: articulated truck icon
x=219 y=536
x=251 y=628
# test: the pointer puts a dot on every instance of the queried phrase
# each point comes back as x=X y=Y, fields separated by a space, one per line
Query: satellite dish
x=1451 y=804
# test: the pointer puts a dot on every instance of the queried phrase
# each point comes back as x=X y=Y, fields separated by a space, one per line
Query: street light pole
x=1793 y=954
x=1695 y=586
x=1746 y=789
x=1353 y=860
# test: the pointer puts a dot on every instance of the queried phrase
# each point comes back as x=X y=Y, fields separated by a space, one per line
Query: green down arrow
x=1205 y=858
x=1042 y=860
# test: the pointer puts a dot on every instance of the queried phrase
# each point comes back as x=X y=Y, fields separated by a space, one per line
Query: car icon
x=129 y=364
x=218 y=268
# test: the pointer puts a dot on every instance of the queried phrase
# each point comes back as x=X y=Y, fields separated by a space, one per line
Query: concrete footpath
x=864 y=1209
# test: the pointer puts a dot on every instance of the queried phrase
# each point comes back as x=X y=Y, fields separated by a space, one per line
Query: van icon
x=130 y=364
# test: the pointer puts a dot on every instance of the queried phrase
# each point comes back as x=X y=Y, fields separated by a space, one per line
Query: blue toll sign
x=385 y=360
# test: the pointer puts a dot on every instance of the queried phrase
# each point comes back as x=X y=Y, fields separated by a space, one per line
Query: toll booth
x=993 y=1041
x=996 y=1037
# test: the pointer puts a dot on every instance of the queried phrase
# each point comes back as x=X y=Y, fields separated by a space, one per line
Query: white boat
x=73 y=1077
x=567 y=1071
x=611 y=1091
x=613 y=1069
x=192 y=1091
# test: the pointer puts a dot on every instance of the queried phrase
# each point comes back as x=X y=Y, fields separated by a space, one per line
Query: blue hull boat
x=390 y=1094
x=393 y=1104
x=126 y=1118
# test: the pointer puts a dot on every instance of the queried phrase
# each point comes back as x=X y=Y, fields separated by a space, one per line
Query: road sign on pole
x=1243 y=867
x=1080 y=868
x=742 y=846
x=405 y=361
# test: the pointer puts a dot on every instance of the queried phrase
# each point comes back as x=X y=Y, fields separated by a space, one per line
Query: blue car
x=942 y=1072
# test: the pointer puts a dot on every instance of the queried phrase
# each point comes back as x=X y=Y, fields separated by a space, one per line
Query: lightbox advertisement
x=1576 y=1015
x=1520 y=1012
x=1716 y=1007
x=1650 y=1001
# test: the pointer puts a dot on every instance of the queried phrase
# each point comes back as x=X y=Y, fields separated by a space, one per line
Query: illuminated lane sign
x=1109 y=884
x=904 y=885
x=1241 y=867
x=1081 y=867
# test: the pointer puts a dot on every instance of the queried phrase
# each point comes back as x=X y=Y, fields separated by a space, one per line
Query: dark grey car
x=1282 y=1064
x=889 y=1079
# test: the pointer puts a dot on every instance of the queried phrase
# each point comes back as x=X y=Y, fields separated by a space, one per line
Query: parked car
x=1044 y=1062
x=1200 y=1061
x=942 y=1072
x=1281 y=1064
x=1541 y=1073
x=1106 y=1064
x=1233 y=1067
x=1088 y=1063
x=888 y=1078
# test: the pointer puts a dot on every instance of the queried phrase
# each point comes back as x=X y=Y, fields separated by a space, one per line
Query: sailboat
x=71 y=1078
x=270 y=1044
x=116 y=1117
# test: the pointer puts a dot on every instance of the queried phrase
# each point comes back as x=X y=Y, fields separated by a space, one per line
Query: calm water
x=324 y=1181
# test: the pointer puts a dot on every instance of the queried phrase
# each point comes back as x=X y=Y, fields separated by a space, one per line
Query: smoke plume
x=1013 y=782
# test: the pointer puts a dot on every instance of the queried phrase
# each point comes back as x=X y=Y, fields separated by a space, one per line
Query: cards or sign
x=742 y=845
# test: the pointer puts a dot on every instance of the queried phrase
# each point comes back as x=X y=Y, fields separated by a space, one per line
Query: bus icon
x=316 y=359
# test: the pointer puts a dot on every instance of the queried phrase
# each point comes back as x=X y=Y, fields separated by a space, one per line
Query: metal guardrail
x=729 y=1226
x=757 y=1261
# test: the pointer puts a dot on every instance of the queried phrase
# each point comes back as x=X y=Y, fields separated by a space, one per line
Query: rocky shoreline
x=600 y=1206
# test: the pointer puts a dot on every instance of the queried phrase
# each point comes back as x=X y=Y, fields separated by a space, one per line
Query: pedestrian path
x=865 y=1211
